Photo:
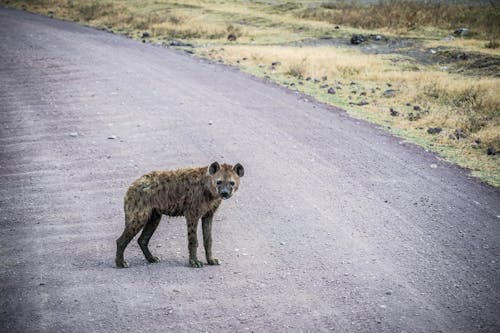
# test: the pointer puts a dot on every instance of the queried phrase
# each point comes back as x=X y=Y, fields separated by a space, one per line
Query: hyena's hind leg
x=146 y=234
x=132 y=227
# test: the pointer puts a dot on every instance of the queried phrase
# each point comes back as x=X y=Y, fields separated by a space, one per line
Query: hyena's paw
x=195 y=263
x=213 y=261
x=154 y=259
x=121 y=264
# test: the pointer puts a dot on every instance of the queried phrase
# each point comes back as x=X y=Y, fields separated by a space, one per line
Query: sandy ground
x=337 y=226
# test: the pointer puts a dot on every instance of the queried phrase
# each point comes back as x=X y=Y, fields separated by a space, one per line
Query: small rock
x=324 y=78
x=210 y=122
x=357 y=39
x=308 y=78
x=182 y=44
x=73 y=134
x=231 y=37
x=413 y=117
x=491 y=151
x=112 y=137
x=336 y=27
x=433 y=166
x=338 y=86
x=282 y=243
x=363 y=102
x=448 y=38
x=432 y=51
x=434 y=130
x=332 y=91
x=416 y=108
x=363 y=93
x=275 y=63
x=41 y=284
x=461 y=32
x=393 y=112
x=315 y=80
x=323 y=86
x=353 y=83
x=388 y=292
x=460 y=134
x=145 y=35
x=389 y=93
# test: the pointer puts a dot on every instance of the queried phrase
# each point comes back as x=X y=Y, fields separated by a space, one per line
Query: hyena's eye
x=232 y=183
x=219 y=182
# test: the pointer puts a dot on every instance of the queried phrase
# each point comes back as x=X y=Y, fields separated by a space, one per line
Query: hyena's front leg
x=206 y=223
x=192 y=226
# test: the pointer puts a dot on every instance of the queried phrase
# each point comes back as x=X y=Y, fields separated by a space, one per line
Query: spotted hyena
x=192 y=192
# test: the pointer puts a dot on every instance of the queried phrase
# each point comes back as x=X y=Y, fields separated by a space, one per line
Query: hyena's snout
x=225 y=189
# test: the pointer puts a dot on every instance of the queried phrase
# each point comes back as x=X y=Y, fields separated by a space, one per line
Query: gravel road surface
x=337 y=226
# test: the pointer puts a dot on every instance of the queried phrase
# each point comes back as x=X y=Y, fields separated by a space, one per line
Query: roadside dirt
x=337 y=226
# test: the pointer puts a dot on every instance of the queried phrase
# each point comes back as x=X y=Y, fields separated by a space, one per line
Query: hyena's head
x=225 y=178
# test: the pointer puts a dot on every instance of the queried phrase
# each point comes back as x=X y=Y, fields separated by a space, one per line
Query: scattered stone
x=393 y=112
x=357 y=39
x=432 y=51
x=461 y=32
x=363 y=102
x=448 y=38
x=145 y=35
x=433 y=166
x=275 y=63
x=416 y=108
x=315 y=80
x=434 y=130
x=210 y=122
x=336 y=27
x=460 y=134
x=338 y=86
x=144 y=41
x=323 y=86
x=413 y=116
x=376 y=37
x=301 y=83
x=292 y=84
x=112 y=137
x=308 y=78
x=324 y=78
x=363 y=93
x=353 y=83
x=282 y=243
x=331 y=91
x=389 y=93
x=388 y=292
x=73 y=134
x=41 y=284
x=180 y=44
x=231 y=37
x=244 y=59
x=491 y=151
x=389 y=84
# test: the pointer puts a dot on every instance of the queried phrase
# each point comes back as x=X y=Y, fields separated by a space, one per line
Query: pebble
x=210 y=122
x=73 y=134
x=332 y=91
x=112 y=137
x=434 y=166
x=282 y=243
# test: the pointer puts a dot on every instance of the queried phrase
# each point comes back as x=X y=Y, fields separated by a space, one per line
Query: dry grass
x=409 y=15
x=453 y=102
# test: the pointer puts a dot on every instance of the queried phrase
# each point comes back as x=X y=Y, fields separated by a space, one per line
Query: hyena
x=192 y=192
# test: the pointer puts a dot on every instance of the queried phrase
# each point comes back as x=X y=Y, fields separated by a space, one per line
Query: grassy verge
x=410 y=76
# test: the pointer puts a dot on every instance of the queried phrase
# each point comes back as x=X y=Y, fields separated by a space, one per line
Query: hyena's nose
x=224 y=194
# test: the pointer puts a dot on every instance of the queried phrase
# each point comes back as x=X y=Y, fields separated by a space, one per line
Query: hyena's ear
x=213 y=168
x=238 y=168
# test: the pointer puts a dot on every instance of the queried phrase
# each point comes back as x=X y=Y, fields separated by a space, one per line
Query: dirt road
x=337 y=226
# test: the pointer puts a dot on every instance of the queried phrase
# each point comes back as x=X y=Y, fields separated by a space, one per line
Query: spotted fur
x=195 y=193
